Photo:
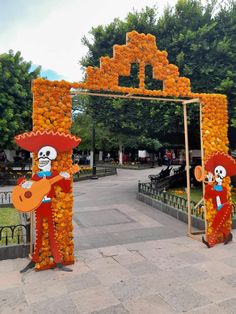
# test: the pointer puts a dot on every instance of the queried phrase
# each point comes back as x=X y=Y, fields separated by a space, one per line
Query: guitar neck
x=55 y=179
x=74 y=169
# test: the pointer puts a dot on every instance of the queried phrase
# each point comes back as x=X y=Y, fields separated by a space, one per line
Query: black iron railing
x=5 y=199
x=14 y=234
x=170 y=199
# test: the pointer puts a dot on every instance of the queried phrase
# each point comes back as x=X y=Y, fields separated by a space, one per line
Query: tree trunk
x=100 y=157
x=120 y=153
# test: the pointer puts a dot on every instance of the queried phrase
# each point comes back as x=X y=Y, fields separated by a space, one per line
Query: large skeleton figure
x=45 y=157
x=219 y=166
x=47 y=145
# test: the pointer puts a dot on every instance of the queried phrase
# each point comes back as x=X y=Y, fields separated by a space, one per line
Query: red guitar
x=28 y=199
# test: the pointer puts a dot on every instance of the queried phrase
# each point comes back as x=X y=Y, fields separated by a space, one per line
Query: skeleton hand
x=210 y=177
x=27 y=184
x=65 y=175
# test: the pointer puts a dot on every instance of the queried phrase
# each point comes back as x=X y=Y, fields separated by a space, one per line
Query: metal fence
x=14 y=234
x=174 y=200
x=5 y=199
x=170 y=199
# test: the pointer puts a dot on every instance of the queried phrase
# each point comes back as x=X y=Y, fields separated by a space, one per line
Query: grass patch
x=196 y=193
x=9 y=216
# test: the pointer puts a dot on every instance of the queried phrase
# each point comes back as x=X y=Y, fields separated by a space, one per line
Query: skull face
x=220 y=173
x=45 y=156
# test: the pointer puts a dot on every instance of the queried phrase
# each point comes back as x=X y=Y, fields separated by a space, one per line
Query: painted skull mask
x=220 y=173
x=45 y=156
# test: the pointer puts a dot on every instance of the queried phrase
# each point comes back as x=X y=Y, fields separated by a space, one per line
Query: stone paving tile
x=10 y=280
x=93 y=299
x=191 y=257
x=208 y=309
x=215 y=269
x=10 y=265
x=79 y=267
x=112 y=274
x=130 y=257
x=111 y=228
x=41 y=290
x=145 y=234
x=230 y=279
x=102 y=217
x=188 y=274
x=152 y=304
x=12 y=298
x=88 y=255
x=142 y=268
x=164 y=263
x=34 y=277
x=184 y=298
x=113 y=250
x=214 y=289
x=58 y=305
x=230 y=261
x=142 y=286
x=129 y=289
x=93 y=241
x=102 y=262
x=116 y=309
x=22 y=308
x=218 y=253
x=229 y=306
x=79 y=282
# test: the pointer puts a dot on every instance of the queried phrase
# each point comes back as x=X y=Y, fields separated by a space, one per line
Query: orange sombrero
x=221 y=159
x=33 y=141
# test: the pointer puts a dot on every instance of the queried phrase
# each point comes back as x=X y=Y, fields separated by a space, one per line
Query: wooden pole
x=31 y=232
x=191 y=101
x=77 y=92
x=187 y=167
x=202 y=160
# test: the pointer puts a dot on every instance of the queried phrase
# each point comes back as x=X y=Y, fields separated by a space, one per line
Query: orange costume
x=219 y=165
x=46 y=144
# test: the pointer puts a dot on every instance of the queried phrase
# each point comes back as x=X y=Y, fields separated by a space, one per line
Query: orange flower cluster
x=52 y=105
x=142 y=49
x=215 y=139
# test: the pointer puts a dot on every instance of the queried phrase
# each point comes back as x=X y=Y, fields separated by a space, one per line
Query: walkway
x=130 y=259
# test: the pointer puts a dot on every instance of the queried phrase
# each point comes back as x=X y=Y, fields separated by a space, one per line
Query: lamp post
x=94 y=169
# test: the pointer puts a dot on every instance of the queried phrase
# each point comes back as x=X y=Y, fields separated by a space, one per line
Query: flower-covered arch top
x=141 y=49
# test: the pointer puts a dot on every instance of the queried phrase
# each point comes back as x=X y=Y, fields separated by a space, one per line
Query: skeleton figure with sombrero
x=29 y=195
x=219 y=166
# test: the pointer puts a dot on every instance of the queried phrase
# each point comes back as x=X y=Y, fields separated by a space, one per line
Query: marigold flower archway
x=52 y=105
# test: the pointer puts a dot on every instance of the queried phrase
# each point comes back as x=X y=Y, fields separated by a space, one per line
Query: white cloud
x=50 y=32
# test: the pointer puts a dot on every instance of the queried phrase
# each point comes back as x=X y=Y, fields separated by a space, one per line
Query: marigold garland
x=52 y=107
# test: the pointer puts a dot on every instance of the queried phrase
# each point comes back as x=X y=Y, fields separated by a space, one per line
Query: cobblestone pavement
x=131 y=258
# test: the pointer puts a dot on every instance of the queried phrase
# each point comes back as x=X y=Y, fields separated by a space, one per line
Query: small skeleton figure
x=219 y=166
x=46 y=155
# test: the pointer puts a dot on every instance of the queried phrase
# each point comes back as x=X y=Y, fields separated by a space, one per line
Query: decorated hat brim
x=221 y=159
x=33 y=141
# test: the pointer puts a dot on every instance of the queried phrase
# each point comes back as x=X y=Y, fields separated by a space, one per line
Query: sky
x=49 y=32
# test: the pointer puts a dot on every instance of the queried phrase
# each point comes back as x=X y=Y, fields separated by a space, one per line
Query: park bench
x=163 y=174
x=180 y=169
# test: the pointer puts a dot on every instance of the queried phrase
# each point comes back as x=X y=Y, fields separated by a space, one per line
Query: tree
x=15 y=96
x=82 y=124
x=200 y=40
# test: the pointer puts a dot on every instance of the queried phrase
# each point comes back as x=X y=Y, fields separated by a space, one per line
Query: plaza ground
x=131 y=258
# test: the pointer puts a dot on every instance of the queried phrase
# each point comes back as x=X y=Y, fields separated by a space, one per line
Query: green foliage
x=9 y=216
x=82 y=126
x=200 y=40
x=15 y=96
